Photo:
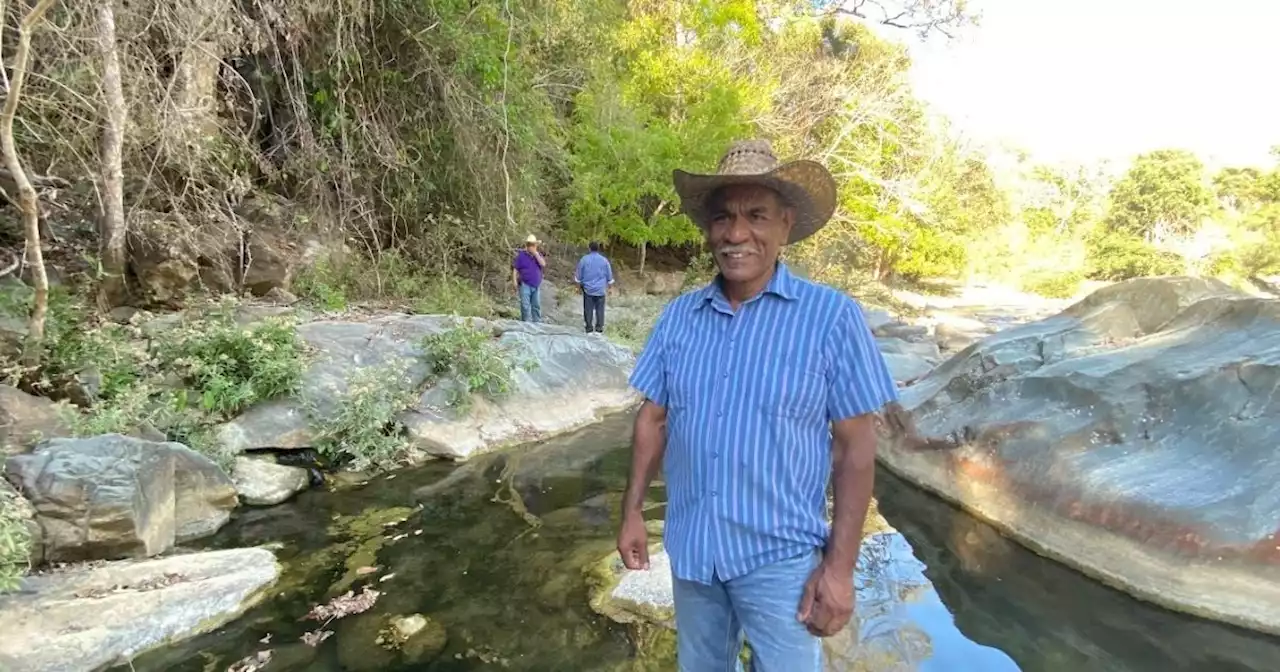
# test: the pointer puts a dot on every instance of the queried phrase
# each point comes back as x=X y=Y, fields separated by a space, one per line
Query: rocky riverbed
x=1080 y=434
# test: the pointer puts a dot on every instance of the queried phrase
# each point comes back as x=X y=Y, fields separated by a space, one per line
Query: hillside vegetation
x=380 y=150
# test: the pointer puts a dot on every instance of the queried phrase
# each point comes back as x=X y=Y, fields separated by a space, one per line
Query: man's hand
x=828 y=600
x=633 y=543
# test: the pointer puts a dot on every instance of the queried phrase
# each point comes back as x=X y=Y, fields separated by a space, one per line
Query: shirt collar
x=782 y=285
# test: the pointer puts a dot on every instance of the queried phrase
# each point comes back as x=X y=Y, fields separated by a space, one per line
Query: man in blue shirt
x=760 y=389
x=594 y=277
x=526 y=276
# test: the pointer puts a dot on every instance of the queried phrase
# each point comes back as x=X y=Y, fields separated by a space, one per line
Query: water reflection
x=902 y=623
x=1048 y=617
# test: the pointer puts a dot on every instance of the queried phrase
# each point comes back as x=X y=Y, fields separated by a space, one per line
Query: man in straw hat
x=759 y=388
x=526 y=277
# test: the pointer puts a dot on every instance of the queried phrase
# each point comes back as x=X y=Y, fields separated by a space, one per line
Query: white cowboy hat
x=806 y=185
x=531 y=240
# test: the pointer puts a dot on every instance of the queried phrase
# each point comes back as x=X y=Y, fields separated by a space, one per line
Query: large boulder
x=262 y=482
x=116 y=496
x=1131 y=436
x=26 y=420
x=573 y=380
x=95 y=617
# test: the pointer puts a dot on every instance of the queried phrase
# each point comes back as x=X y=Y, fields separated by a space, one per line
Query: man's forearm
x=853 y=476
x=647 y=444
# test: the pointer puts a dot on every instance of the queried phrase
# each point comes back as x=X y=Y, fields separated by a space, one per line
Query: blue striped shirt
x=750 y=396
x=594 y=273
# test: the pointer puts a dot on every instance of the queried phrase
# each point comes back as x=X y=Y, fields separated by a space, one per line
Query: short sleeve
x=858 y=379
x=650 y=377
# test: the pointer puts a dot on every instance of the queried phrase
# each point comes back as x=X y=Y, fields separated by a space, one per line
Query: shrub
x=15 y=542
x=364 y=432
x=475 y=361
x=1120 y=256
x=451 y=295
x=1054 y=285
x=700 y=271
x=332 y=285
x=233 y=367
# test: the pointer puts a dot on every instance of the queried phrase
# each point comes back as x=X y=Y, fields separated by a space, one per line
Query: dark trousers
x=593 y=307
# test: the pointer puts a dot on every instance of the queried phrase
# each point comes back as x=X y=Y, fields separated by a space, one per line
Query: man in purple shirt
x=526 y=276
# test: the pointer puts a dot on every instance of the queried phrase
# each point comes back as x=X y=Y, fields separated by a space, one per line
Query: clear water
x=512 y=596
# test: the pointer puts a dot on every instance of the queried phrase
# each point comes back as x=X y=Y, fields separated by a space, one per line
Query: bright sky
x=1081 y=80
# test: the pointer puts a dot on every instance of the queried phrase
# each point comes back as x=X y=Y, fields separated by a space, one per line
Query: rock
x=578 y=377
x=13 y=334
x=906 y=332
x=906 y=368
x=576 y=380
x=114 y=496
x=274 y=424
x=877 y=318
x=92 y=618
x=371 y=642
x=262 y=482
x=170 y=256
x=1130 y=436
x=16 y=503
x=280 y=297
x=663 y=283
x=926 y=350
x=26 y=420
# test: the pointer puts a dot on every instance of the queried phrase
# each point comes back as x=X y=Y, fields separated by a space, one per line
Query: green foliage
x=179 y=382
x=1164 y=192
x=453 y=296
x=701 y=270
x=1063 y=285
x=363 y=431
x=232 y=367
x=1119 y=256
x=15 y=542
x=474 y=361
x=74 y=342
x=332 y=285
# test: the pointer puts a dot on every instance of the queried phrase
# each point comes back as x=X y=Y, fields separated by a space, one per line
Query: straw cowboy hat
x=806 y=185
x=532 y=240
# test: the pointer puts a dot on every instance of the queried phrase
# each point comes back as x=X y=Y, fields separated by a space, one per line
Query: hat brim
x=806 y=185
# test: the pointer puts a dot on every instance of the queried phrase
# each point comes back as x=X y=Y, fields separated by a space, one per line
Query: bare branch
x=26 y=193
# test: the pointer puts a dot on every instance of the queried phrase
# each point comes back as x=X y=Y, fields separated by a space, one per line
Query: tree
x=1163 y=193
x=922 y=16
x=111 y=227
x=27 y=204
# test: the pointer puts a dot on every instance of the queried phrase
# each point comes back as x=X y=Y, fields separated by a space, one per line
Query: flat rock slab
x=87 y=619
x=577 y=379
x=1131 y=436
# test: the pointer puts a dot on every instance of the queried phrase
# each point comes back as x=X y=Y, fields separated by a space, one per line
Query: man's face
x=748 y=226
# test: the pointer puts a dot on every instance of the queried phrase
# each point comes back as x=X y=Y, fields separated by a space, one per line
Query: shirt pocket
x=798 y=394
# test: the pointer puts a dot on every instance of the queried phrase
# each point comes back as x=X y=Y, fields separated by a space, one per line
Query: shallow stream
x=505 y=581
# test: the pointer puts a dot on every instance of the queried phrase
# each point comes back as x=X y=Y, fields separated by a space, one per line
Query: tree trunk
x=643 y=247
x=113 y=290
x=26 y=193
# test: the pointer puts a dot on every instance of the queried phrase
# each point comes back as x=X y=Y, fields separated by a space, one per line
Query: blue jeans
x=530 y=303
x=710 y=621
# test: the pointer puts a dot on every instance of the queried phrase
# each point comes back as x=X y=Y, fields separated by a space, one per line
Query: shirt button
x=715 y=455
x=715 y=493
x=719 y=414
x=726 y=374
